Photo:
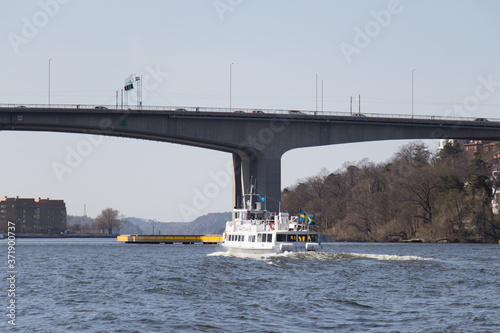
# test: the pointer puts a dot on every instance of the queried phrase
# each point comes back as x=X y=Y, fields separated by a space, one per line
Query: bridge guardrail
x=236 y=110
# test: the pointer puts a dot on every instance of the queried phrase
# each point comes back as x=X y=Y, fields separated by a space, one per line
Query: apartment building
x=33 y=216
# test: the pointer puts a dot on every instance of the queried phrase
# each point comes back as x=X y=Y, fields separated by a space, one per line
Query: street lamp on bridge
x=49 y=79
x=412 y=71
x=230 y=85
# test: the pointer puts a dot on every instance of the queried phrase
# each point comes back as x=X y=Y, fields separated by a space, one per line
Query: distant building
x=444 y=142
x=33 y=216
x=473 y=147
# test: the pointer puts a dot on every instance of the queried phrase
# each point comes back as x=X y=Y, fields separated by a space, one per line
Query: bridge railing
x=238 y=110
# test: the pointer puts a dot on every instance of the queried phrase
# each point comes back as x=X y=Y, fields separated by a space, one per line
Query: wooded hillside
x=417 y=194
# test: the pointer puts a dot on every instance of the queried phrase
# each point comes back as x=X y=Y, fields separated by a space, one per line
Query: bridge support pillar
x=264 y=171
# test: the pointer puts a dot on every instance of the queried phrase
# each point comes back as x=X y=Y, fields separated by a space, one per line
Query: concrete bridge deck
x=257 y=140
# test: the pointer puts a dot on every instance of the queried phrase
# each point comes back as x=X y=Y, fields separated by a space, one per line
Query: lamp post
x=138 y=82
x=153 y=223
x=230 y=85
x=322 y=96
x=412 y=71
x=316 y=94
x=49 y=79
x=359 y=105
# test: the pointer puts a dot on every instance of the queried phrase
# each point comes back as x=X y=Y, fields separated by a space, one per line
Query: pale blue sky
x=277 y=48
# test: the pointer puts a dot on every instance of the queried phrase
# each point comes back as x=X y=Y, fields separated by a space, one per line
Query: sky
x=284 y=53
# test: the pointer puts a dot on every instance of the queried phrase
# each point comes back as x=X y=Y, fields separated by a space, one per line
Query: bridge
x=257 y=139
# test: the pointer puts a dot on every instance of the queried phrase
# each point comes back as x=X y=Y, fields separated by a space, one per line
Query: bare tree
x=108 y=220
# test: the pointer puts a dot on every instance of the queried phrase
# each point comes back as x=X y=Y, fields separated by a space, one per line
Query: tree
x=108 y=220
x=451 y=150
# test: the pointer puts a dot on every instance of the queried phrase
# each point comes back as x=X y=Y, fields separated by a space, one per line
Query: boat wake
x=242 y=255
x=331 y=256
x=351 y=256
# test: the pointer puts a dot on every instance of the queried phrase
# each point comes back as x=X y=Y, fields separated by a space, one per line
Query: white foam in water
x=246 y=255
x=388 y=257
x=323 y=256
x=219 y=254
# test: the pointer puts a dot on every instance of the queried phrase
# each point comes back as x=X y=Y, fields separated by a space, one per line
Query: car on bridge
x=257 y=111
x=101 y=108
x=295 y=112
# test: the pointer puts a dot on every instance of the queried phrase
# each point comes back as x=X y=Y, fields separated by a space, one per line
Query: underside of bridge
x=256 y=141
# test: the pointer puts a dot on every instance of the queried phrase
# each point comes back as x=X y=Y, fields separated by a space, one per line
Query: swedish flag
x=309 y=218
x=302 y=216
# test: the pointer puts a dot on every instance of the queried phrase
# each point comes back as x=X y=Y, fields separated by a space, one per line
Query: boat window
x=269 y=238
x=291 y=238
x=259 y=237
x=242 y=238
x=264 y=238
x=280 y=237
x=311 y=238
x=301 y=238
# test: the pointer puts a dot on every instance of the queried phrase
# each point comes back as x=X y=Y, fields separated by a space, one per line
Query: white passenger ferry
x=254 y=230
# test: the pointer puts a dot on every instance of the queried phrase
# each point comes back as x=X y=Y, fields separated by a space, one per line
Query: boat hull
x=269 y=249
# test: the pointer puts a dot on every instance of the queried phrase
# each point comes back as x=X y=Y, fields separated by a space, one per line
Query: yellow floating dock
x=177 y=239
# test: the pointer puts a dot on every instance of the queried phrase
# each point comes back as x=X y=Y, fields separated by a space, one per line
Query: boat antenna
x=251 y=184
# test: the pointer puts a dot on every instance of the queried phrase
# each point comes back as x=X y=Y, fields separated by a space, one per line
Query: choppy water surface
x=83 y=285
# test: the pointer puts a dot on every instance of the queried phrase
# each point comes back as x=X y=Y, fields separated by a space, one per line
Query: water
x=82 y=285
